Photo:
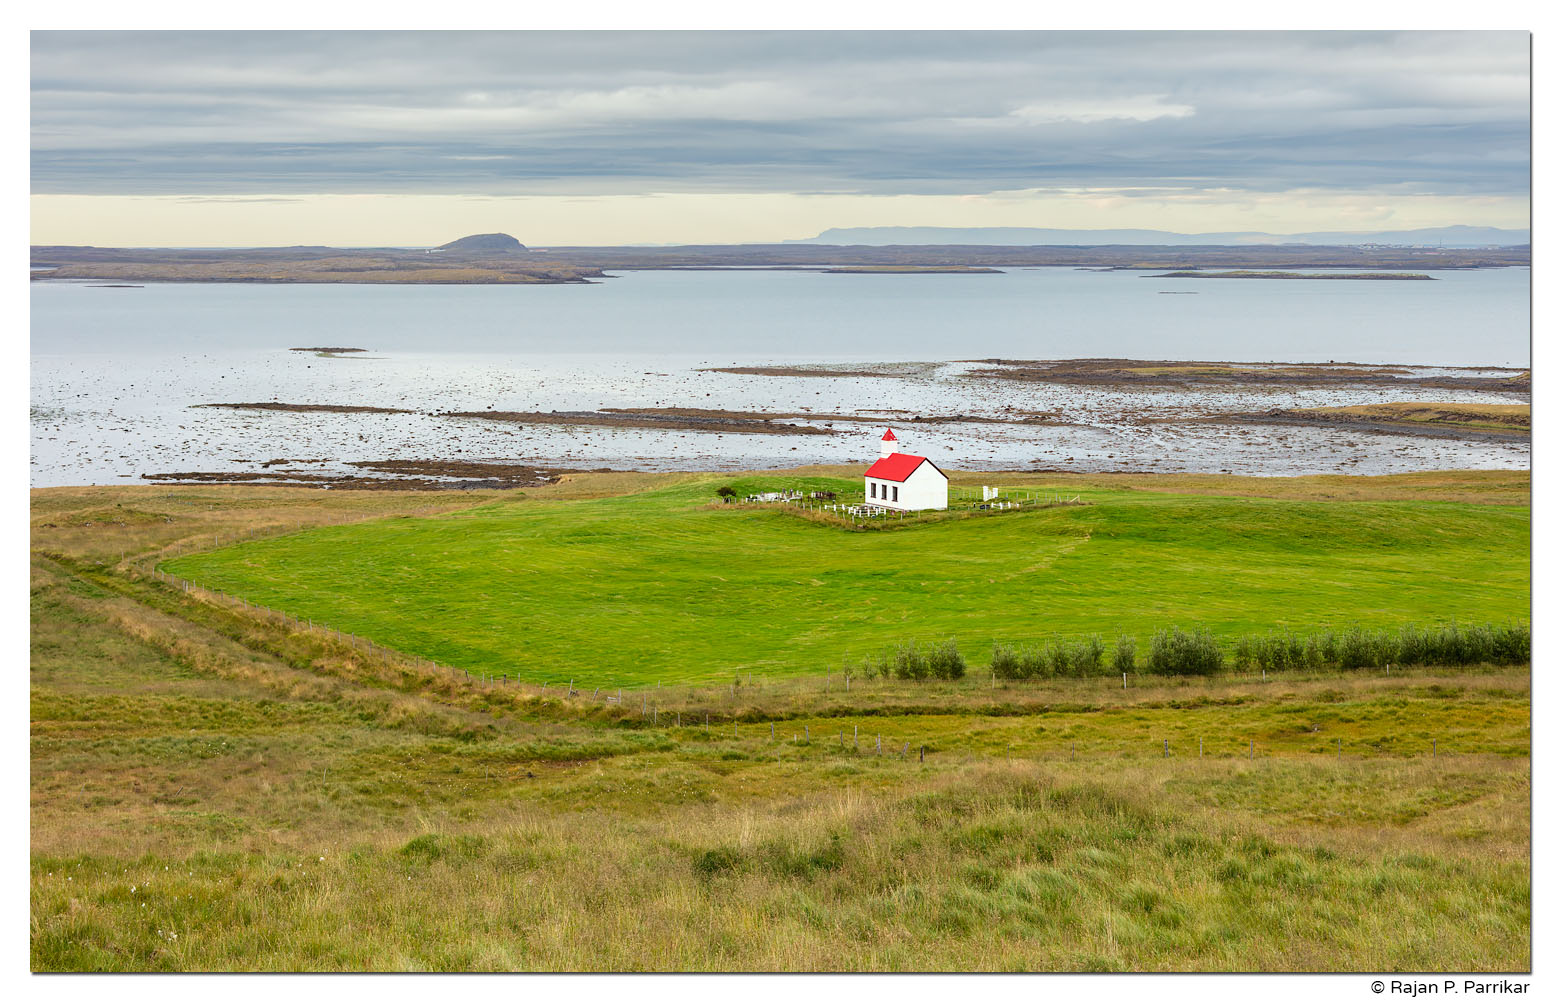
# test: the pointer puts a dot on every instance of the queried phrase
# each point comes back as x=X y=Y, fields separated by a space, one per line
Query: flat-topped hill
x=484 y=242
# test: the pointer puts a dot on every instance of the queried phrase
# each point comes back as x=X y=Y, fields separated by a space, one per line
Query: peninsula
x=501 y=259
x=1374 y=276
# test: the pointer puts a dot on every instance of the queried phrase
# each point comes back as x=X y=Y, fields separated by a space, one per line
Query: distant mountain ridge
x=1026 y=236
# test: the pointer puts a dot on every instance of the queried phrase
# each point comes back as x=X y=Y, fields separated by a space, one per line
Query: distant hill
x=484 y=242
x=1025 y=236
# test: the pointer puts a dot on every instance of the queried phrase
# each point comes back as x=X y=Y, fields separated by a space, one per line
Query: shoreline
x=485 y=477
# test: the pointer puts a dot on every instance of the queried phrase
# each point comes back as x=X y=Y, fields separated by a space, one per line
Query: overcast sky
x=402 y=138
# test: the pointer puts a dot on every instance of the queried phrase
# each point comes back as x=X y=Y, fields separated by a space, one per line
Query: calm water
x=1463 y=318
x=115 y=371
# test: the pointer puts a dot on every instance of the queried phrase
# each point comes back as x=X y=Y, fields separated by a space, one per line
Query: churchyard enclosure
x=669 y=585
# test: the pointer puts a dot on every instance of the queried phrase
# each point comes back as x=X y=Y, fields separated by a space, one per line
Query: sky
x=560 y=138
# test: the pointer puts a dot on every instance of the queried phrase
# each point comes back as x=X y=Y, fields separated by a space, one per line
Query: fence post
x=1167 y=747
x=923 y=754
x=1123 y=680
x=1253 y=748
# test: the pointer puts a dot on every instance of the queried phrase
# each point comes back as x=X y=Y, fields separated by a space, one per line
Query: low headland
x=1368 y=276
x=501 y=259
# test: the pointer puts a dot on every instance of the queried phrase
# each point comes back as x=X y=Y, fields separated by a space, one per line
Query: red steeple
x=888 y=436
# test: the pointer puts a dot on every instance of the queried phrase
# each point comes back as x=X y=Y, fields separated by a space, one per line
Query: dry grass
x=1499 y=417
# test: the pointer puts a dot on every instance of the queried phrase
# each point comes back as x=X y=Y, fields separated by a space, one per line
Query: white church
x=903 y=482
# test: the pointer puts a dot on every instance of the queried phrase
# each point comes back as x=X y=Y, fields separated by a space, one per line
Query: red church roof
x=897 y=466
x=888 y=436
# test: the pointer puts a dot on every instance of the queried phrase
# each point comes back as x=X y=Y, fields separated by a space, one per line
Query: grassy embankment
x=211 y=790
x=1474 y=417
x=655 y=586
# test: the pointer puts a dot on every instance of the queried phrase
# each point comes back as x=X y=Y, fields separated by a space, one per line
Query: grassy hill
x=656 y=585
x=215 y=789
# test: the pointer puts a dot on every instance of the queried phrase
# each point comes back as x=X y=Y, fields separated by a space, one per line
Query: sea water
x=116 y=370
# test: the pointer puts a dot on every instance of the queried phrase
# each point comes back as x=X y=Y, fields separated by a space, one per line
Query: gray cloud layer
x=504 y=113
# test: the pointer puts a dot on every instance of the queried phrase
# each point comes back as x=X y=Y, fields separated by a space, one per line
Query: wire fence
x=962 y=502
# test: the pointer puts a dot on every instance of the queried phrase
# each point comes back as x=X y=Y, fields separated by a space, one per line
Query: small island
x=911 y=269
x=1369 y=276
x=480 y=259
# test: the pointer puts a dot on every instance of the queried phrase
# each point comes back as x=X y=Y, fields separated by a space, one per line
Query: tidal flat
x=741 y=370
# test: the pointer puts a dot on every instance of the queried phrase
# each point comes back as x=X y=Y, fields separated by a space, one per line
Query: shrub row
x=908 y=661
x=1198 y=652
x=1410 y=645
x=1170 y=652
x=1056 y=659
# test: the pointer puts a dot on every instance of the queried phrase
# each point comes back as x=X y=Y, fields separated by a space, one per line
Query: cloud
x=229 y=113
x=1136 y=108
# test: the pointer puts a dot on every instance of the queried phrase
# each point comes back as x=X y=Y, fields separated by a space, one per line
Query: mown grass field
x=658 y=586
x=214 y=790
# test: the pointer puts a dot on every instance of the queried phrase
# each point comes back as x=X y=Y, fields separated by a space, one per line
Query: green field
x=214 y=788
x=656 y=585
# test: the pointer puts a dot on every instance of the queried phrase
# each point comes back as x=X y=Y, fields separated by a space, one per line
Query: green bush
x=1058 y=659
x=944 y=660
x=909 y=663
x=1005 y=662
x=1020 y=662
x=1176 y=652
x=1513 y=645
x=1124 y=659
x=1089 y=657
x=1413 y=646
